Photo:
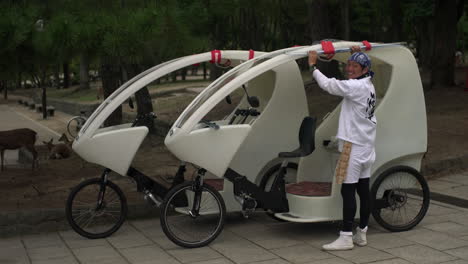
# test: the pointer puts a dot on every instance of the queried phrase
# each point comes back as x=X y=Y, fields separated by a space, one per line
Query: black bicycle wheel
x=188 y=229
x=90 y=219
x=74 y=125
x=400 y=198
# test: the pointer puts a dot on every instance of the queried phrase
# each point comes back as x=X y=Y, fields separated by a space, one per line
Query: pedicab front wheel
x=400 y=198
x=192 y=217
x=96 y=210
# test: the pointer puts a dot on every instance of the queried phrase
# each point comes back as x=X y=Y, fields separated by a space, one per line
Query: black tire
x=82 y=202
x=186 y=230
x=74 y=125
x=396 y=192
x=269 y=176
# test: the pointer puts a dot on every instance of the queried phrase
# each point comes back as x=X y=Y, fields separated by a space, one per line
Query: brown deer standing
x=57 y=151
x=17 y=138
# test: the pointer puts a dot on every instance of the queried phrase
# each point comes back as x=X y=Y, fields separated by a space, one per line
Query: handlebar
x=245 y=113
x=210 y=124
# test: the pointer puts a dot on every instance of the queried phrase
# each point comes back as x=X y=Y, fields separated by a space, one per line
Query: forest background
x=47 y=44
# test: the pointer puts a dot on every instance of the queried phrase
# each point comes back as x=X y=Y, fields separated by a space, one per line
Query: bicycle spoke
x=91 y=220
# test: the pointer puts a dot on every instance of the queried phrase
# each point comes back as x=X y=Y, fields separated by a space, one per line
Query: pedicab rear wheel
x=191 y=228
x=400 y=198
x=269 y=177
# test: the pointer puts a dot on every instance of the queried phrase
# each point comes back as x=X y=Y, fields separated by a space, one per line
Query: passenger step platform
x=292 y=218
x=302 y=197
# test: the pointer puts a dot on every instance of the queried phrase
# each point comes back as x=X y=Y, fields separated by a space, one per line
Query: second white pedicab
x=272 y=125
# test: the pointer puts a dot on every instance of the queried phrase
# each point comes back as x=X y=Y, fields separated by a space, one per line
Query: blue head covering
x=364 y=60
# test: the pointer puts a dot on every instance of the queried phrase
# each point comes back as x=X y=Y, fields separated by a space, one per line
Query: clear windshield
x=222 y=81
x=212 y=89
x=121 y=89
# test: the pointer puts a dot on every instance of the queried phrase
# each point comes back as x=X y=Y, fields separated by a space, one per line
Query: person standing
x=356 y=135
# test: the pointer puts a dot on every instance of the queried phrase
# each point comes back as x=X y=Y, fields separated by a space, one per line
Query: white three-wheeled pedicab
x=268 y=152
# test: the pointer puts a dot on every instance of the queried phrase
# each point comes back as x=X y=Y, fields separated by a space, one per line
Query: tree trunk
x=397 y=26
x=319 y=26
x=183 y=73
x=110 y=75
x=66 y=75
x=142 y=97
x=215 y=72
x=44 y=93
x=44 y=102
x=18 y=81
x=345 y=19
x=84 y=71
x=4 y=86
x=445 y=32
x=57 y=76
x=204 y=71
x=425 y=41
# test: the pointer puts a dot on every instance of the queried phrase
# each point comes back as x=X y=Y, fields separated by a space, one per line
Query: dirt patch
x=49 y=185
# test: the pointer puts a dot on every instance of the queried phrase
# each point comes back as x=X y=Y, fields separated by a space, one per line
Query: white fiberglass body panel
x=112 y=148
x=89 y=134
x=401 y=116
x=186 y=124
x=276 y=129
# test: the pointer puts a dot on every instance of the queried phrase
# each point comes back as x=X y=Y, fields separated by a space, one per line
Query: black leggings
x=348 y=192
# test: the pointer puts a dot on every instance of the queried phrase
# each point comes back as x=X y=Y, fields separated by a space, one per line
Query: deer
x=17 y=138
x=57 y=151
x=69 y=143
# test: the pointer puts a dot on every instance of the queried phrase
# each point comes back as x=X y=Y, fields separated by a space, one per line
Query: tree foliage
x=145 y=32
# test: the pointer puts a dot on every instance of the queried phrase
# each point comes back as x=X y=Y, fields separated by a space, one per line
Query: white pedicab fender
x=115 y=147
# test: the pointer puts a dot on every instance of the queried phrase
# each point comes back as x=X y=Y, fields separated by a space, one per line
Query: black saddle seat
x=306 y=140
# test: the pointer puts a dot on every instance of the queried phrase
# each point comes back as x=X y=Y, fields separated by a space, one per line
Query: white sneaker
x=360 y=238
x=344 y=242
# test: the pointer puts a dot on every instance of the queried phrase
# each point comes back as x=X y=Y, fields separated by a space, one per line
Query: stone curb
x=34 y=221
x=436 y=167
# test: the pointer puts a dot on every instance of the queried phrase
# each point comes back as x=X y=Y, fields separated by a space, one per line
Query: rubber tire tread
x=163 y=213
x=77 y=189
x=426 y=198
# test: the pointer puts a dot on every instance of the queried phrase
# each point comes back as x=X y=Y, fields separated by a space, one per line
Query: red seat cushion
x=310 y=188
x=218 y=184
